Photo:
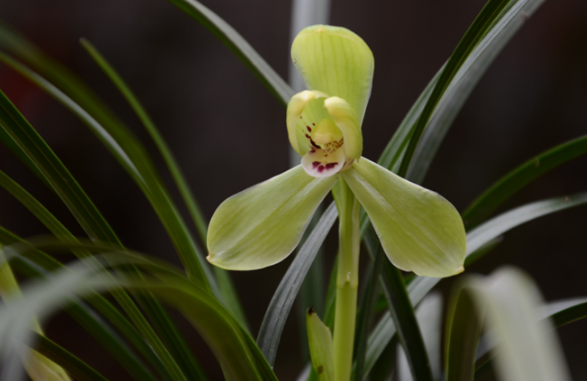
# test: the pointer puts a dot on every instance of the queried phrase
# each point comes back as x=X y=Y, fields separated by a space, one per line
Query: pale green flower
x=419 y=230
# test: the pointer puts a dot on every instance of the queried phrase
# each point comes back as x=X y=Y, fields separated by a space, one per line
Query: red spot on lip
x=320 y=168
x=315 y=164
x=330 y=165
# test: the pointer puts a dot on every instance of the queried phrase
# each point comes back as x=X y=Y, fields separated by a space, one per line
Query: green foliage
x=134 y=327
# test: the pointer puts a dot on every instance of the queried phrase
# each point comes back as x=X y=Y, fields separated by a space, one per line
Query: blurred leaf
x=239 y=46
x=429 y=315
x=142 y=171
x=577 y=310
x=133 y=158
x=283 y=298
x=404 y=318
x=61 y=232
x=76 y=367
x=233 y=347
x=321 y=351
x=560 y=313
x=526 y=347
x=464 y=326
x=419 y=287
x=225 y=286
x=37 y=263
x=515 y=180
x=37 y=299
x=39 y=367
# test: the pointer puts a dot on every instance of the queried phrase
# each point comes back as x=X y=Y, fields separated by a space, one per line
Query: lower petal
x=419 y=230
x=262 y=225
x=321 y=163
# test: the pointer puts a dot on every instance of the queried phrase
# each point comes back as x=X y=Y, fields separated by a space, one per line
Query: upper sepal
x=419 y=230
x=262 y=225
x=337 y=62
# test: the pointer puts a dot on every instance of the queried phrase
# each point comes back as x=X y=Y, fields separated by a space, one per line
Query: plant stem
x=347 y=280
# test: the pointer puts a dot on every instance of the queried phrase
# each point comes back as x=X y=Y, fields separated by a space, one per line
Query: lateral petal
x=419 y=230
x=262 y=225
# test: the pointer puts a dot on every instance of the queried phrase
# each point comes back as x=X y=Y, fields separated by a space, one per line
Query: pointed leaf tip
x=321 y=349
x=419 y=230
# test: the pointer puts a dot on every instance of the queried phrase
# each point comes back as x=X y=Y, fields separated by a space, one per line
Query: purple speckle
x=320 y=168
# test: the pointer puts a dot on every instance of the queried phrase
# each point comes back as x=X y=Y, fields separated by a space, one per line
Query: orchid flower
x=419 y=230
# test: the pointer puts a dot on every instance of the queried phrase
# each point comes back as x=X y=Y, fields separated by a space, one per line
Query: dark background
x=223 y=125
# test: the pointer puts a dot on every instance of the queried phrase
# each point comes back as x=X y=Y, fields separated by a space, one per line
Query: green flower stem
x=347 y=280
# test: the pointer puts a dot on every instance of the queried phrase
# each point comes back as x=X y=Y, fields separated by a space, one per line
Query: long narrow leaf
x=9 y=289
x=521 y=176
x=229 y=295
x=133 y=158
x=419 y=287
x=76 y=367
x=142 y=171
x=526 y=348
x=60 y=231
x=511 y=19
x=239 y=46
x=482 y=24
x=403 y=315
x=280 y=305
x=38 y=264
x=366 y=314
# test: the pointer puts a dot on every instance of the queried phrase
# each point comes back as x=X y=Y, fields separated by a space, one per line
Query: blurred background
x=223 y=125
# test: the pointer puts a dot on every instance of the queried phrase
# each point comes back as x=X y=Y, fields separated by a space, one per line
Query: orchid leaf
x=321 y=351
x=429 y=315
x=419 y=230
x=505 y=26
x=521 y=176
x=526 y=346
x=233 y=347
x=239 y=46
x=282 y=300
x=262 y=225
x=76 y=367
x=464 y=326
x=337 y=62
x=484 y=234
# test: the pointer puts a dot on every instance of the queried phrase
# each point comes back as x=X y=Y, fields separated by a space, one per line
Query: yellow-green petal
x=419 y=230
x=337 y=62
x=262 y=225
x=321 y=350
x=345 y=118
x=295 y=108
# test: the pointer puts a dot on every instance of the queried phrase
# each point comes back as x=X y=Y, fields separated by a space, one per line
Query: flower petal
x=345 y=118
x=419 y=230
x=262 y=225
x=337 y=62
x=295 y=108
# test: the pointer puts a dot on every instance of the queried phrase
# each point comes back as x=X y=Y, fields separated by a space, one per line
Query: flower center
x=326 y=156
